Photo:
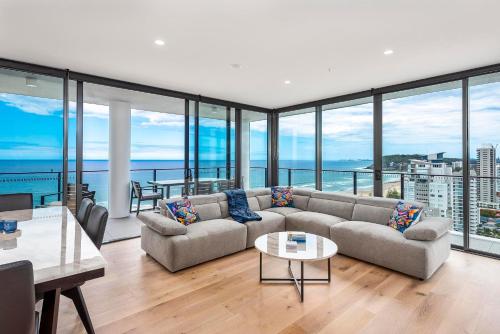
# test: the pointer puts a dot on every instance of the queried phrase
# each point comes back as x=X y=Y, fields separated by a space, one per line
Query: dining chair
x=204 y=187
x=20 y=201
x=84 y=211
x=95 y=227
x=96 y=224
x=224 y=185
x=137 y=192
x=17 y=298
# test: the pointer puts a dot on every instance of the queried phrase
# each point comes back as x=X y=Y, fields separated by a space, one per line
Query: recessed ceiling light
x=287 y=82
x=159 y=42
x=236 y=66
x=388 y=52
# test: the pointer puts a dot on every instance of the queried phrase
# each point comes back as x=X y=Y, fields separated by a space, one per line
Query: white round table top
x=313 y=249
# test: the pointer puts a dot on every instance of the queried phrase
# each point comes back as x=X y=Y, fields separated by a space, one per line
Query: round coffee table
x=314 y=248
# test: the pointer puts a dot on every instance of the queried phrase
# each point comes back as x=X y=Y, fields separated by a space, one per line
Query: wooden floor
x=138 y=295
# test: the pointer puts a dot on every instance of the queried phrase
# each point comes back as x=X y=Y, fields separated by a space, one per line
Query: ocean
x=42 y=177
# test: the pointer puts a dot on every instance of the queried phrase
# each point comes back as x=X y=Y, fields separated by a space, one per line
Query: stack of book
x=297 y=236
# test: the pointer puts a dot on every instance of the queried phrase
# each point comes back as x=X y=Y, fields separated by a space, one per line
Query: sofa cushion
x=204 y=241
x=285 y=211
x=430 y=228
x=224 y=209
x=332 y=204
x=385 y=246
x=258 y=192
x=264 y=201
x=209 y=211
x=161 y=224
x=271 y=222
x=253 y=203
x=376 y=210
x=312 y=222
x=204 y=199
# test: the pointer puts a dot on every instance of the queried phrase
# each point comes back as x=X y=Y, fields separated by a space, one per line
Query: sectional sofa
x=358 y=225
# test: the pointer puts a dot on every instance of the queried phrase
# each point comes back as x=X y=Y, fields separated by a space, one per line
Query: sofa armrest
x=161 y=224
x=428 y=229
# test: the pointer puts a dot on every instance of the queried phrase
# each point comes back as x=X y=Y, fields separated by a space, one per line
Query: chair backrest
x=137 y=188
x=96 y=224
x=17 y=298
x=83 y=213
x=204 y=188
x=21 y=201
x=226 y=185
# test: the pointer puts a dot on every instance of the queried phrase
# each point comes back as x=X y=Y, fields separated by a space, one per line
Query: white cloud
x=158 y=118
x=33 y=105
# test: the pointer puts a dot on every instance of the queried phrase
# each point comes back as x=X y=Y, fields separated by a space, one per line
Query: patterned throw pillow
x=183 y=211
x=404 y=215
x=281 y=197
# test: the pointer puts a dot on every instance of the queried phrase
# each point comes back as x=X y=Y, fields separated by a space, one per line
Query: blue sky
x=31 y=128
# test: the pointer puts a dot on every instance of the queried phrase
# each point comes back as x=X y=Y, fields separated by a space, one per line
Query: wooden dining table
x=62 y=254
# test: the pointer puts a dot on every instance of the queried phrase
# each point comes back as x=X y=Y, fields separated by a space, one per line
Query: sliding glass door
x=31 y=136
x=214 y=149
x=484 y=174
x=297 y=157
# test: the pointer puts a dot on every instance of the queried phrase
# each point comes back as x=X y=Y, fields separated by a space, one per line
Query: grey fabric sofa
x=358 y=225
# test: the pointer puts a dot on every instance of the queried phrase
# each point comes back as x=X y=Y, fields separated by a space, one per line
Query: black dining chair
x=84 y=211
x=95 y=227
x=138 y=192
x=17 y=298
x=223 y=185
x=204 y=187
x=21 y=201
x=96 y=224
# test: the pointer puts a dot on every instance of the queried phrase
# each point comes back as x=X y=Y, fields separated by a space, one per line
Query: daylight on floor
x=249 y=167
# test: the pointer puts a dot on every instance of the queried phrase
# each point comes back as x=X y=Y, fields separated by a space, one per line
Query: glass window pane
x=254 y=149
x=31 y=135
x=422 y=149
x=484 y=212
x=348 y=147
x=297 y=153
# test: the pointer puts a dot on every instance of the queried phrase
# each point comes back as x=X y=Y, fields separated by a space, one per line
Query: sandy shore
x=391 y=185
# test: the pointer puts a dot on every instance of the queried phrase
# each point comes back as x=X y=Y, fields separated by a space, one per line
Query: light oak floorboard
x=138 y=295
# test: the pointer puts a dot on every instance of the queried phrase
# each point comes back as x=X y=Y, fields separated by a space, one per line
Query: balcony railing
x=47 y=186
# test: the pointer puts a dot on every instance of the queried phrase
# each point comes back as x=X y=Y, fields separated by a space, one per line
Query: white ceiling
x=273 y=40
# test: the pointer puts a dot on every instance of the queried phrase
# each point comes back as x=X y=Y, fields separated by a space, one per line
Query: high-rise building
x=498 y=183
x=457 y=191
x=486 y=171
x=429 y=182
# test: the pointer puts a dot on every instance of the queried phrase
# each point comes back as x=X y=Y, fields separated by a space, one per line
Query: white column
x=245 y=153
x=119 y=159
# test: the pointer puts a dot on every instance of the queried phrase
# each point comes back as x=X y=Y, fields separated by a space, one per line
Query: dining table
x=167 y=184
x=62 y=254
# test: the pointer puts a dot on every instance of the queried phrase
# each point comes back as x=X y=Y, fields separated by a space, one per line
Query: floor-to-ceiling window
x=484 y=180
x=297 y=148
x=254 y=149
x=347 y=147
x=31 y=135
x=216 y=147
x=422 y=149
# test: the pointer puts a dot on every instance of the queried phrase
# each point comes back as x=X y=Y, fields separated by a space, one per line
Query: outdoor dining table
x=62 y=255
x=167 y=184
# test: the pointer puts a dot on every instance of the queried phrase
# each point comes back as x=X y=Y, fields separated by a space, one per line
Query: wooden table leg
x=50 y=312
x=75 y=294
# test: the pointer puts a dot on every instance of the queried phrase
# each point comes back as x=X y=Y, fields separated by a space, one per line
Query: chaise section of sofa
x=177 y=246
